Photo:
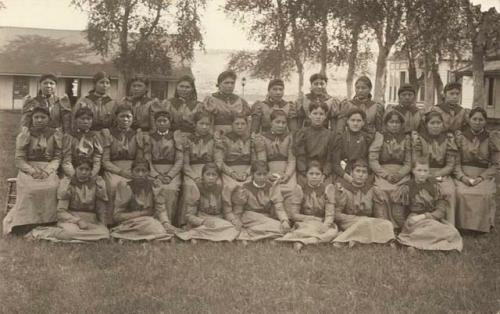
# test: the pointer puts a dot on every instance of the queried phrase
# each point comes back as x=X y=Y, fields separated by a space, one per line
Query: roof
x=74 y=58
x=491 y=67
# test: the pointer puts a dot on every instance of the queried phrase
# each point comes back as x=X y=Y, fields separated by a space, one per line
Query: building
x=26 y=53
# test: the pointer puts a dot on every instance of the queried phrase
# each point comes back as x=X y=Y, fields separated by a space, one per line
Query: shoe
x=297 y=246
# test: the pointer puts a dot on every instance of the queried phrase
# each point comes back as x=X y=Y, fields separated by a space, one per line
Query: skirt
x=430 y=234
x=36 y=201
x=257 y=226
x=229 y=184
x=448 y=189
x=189 y=187
x=140 y=228
x=112 y=180
x=310 y=232
x=476 y=205
x=223 y=230
x=390 y=206
x=170 y=191
x=288 y=187
x=364 y=230
x=70 y=232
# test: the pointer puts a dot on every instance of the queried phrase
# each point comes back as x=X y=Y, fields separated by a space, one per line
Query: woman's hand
x=476 y=181
x=126 y=174
x=169 y=228
x=83 y=225
x=285 y=226
x=209 y=223
x=467 y=181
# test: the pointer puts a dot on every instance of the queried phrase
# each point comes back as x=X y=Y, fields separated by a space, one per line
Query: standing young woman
x=122 y=145
x=363 y=100
x=38 y=156
x=205 y=217
x=224 y=104
x=455 y=117
x=317 y=95
x=59 y=108
x=390 y=160
x=81 y=208
x=198 y=151
x=142 y=105
x=102 y=106
x=475 y=171
x=261 y=110
x=439 y=148
x=165 y=154
x=82 y=142
x=408 y=108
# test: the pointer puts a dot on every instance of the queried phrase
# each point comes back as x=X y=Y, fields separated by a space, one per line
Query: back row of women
x=314 y=171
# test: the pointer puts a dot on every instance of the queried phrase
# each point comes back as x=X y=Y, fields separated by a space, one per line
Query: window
x=21 y=87
x=402 y=77
x=491 y=92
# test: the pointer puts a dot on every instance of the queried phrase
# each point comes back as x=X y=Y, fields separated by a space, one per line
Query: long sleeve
x=494 y=152
x=179 y=160
x=336 y=151
x=379 y=117
x=374 y=155
x=107 y=164
x=295 y=203
x=441 y=206
x=219 y=153
x=66 y=115
x=458 y=171
x=256 y=117
x=123 y=197
x=406 y=168
x=277 y=199
x=192 y=204
x=67 y=165
x=57 y=157
x=300 y=151
x=329 y=204
x=101 y=200
x=449 y=166
x=259 y=151
x=187 y=169
x=22 y=143
x=160 y=210
x=97 y=156
x=63 y=200
x=292 y=161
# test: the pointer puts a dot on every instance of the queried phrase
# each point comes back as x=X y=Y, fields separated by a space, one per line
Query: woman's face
x=360 y=175
x=452 y=96
x=355 y=122
x=137 y=88
x=240 y=126
x=421 y=172
x=102 y=86
x=317 y=116
x=83 y=172
x=318 y=87
x=48 y=87
x=40 y=120
x=477 y=122
x=362 y=89
x=84 y=122
x=140 y=172
x=227 y=85
x=276 y=92
x=435 y=126
x=210 y=177
x=162 y=124
x=279 y=125
x=124 y=119
x=260 y=177
x=314 y=176
x=406 y=98
x=394 y=124
x=203 y=126
x=184 y=89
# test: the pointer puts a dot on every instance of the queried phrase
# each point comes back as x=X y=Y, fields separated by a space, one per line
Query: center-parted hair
x=162 y=113
x=210 y=166
x=388 y=116
x=316 y=105
x=202 y=114
x=238 y=115
x=354 y=111
x=122 y=107
x=82 y=111
x=314 y=164
x=278 y=113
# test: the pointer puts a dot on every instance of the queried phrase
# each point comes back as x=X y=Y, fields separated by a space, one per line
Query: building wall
x=6 y=85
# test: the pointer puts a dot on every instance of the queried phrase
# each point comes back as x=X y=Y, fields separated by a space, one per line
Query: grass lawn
x=229 y=278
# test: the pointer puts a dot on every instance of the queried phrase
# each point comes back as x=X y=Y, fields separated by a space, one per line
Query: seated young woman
x=258 y=207
x=204 y=215
x=140 y=208
x=312 y=142
x=82 y=142
x=390 y=160
x=440 y=149
x=165 y=153
x=475 y=171
x=81 y=208
x=354 y=211
x=425 y=228
x=38 y=156
x=312 y=210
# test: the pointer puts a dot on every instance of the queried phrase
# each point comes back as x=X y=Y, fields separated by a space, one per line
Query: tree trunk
x=351 y=61
x=412 y=68
x=436 y=79
x=324 y=44
x=380 y=73
x=478 y=76
x=122 y=84
x=428 y=83
x=300 y=72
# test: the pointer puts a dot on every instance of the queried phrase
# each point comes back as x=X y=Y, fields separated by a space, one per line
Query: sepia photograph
x=249 y=156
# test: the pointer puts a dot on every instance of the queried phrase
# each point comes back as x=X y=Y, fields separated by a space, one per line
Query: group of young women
x=314 y=171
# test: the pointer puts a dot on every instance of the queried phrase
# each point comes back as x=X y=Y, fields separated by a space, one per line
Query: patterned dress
x=59 y=109
x=261 y=114
x=103 y=109
x=223 y=107
x=374 y=114
x=77 y=144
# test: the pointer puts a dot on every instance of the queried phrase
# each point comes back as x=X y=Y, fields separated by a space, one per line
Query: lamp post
x=243 y=83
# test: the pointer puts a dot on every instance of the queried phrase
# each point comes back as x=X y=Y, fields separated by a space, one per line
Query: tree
x=484 y=33
x=134 y=33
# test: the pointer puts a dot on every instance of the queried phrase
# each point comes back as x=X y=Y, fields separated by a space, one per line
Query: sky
x=59 y=14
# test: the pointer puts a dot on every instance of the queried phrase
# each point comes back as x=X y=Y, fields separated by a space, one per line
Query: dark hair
x=190 y=80
x=122 y=108
x=78 y=161
x=84 y=111
x=452 y=85
x=275 y=82
x=314 y=164
x=163 y=113
x=318 y=76
x=202 y=114
x=99 y=76
x=420 y=160
x=359 y=163
x=393 y=113
x=41 y=109
x=431 y=114
x=137 y=78
x=407 y=88
x=366 y=80
x=210 y=166
x=224 y=75
x=48 y=76
x=316 y=105
x=480 y=110
x=140 y=162
x=354 y=111
x=238 y=115
x=278 y=113
x=259 y=165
